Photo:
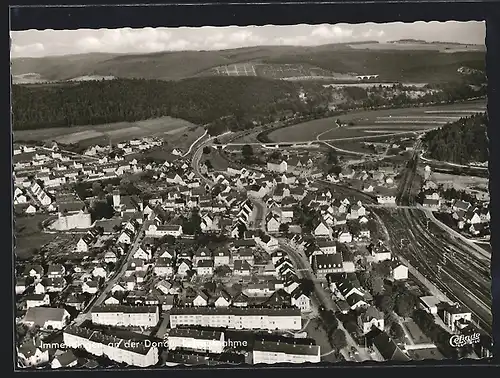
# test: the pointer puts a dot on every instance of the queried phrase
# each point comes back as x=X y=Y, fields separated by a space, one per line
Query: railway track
x=461 y=282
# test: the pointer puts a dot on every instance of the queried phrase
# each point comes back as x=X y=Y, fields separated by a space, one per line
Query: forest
x=200 y=101
x=461 y=142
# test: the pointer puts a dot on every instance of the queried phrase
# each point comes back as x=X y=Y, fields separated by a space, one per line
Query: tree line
x=463 y=141
x=219 y=101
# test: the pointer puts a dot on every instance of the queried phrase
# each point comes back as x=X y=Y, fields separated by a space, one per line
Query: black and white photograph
x=249 y=195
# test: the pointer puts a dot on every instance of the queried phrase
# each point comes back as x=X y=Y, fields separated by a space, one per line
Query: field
x=461 y=182
x=28 y=235
x=164 y=127
x=415 y=332
x=370 y=123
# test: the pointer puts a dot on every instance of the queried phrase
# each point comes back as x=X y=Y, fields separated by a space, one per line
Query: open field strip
x=413 y=121
x=420 y=117
x=392 y=126
x=470 y=111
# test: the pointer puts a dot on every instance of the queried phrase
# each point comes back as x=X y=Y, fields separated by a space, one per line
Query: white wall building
x=269 y=352
x=123 y=315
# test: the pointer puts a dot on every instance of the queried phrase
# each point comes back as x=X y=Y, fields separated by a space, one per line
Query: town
x=175 y=263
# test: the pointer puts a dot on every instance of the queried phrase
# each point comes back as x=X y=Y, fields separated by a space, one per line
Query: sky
x=40 y=43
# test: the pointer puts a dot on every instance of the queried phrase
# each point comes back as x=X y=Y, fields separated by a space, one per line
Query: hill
x=462 y=142
x=391 y=63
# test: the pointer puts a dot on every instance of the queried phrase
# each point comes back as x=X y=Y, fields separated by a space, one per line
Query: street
x=321 y=298
x=119 y=273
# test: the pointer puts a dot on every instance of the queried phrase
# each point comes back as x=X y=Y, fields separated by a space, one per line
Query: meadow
x=371 y=122
x=164 y=127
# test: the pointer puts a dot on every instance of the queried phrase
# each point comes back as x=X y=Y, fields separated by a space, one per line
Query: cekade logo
x=458 y=341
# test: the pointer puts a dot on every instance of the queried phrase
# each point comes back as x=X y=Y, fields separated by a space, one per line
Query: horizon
x=126 y=41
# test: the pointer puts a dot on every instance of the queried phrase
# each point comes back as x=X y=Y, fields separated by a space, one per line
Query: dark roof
x=387 y=347
x=195 y=334
x=288 y=348
x=40 y=315
x=66 y=358
x=125 y=309
x=102 y=338
x=249 y=311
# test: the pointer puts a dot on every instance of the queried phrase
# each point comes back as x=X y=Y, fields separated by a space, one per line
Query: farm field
x=461 y=182
x=28 y=235
x=369 y=122
x=92 y=134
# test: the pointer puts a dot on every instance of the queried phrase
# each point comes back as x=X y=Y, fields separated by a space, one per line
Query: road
x=320 y=297
x=195 y=161
x=259 y=220
x=194 y=143
x=119 y=273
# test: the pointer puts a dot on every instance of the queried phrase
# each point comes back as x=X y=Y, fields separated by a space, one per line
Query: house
x=221 y=257
x=385 y=348
x=36 y=300
x=110 y=257
x=183 y=268
x=201 y=299
x=301 y=300
x=459 y=205
x=273 y=224
x=56 y=271
x=163 y=267
x=322 y=230
x=399 y=272
x=126 y=237
x=222 y=298
x=379 y=252
x=46 y=317
x=242 y=268
x=454 y=315
x=29 y=354
x=100 y=272
x=430 y=304
x=20 y=285
x=240 y=300
x=90 y=287
x=111 y=300
x=268 y=243
x=144 y=253
x=34 y=271
x=76 y=301
x=64 y=360
x=293 y=351
x=84 y=244
x=327 y=247
x=370 y=318
x=326 y=264
x=356 y=301
x=431 y=203
x=386 y=199
x=344 y=236
x=205 y=268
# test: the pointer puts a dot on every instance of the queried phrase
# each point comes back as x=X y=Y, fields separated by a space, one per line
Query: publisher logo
x=458 y=341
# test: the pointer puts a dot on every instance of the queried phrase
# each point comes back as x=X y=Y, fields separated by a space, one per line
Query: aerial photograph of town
x=231 y=196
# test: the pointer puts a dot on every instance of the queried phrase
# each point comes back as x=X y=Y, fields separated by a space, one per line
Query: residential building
x=196 y=340
x=124 y=316
x=274 y=352
x=130 y=352
x=238 y=317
